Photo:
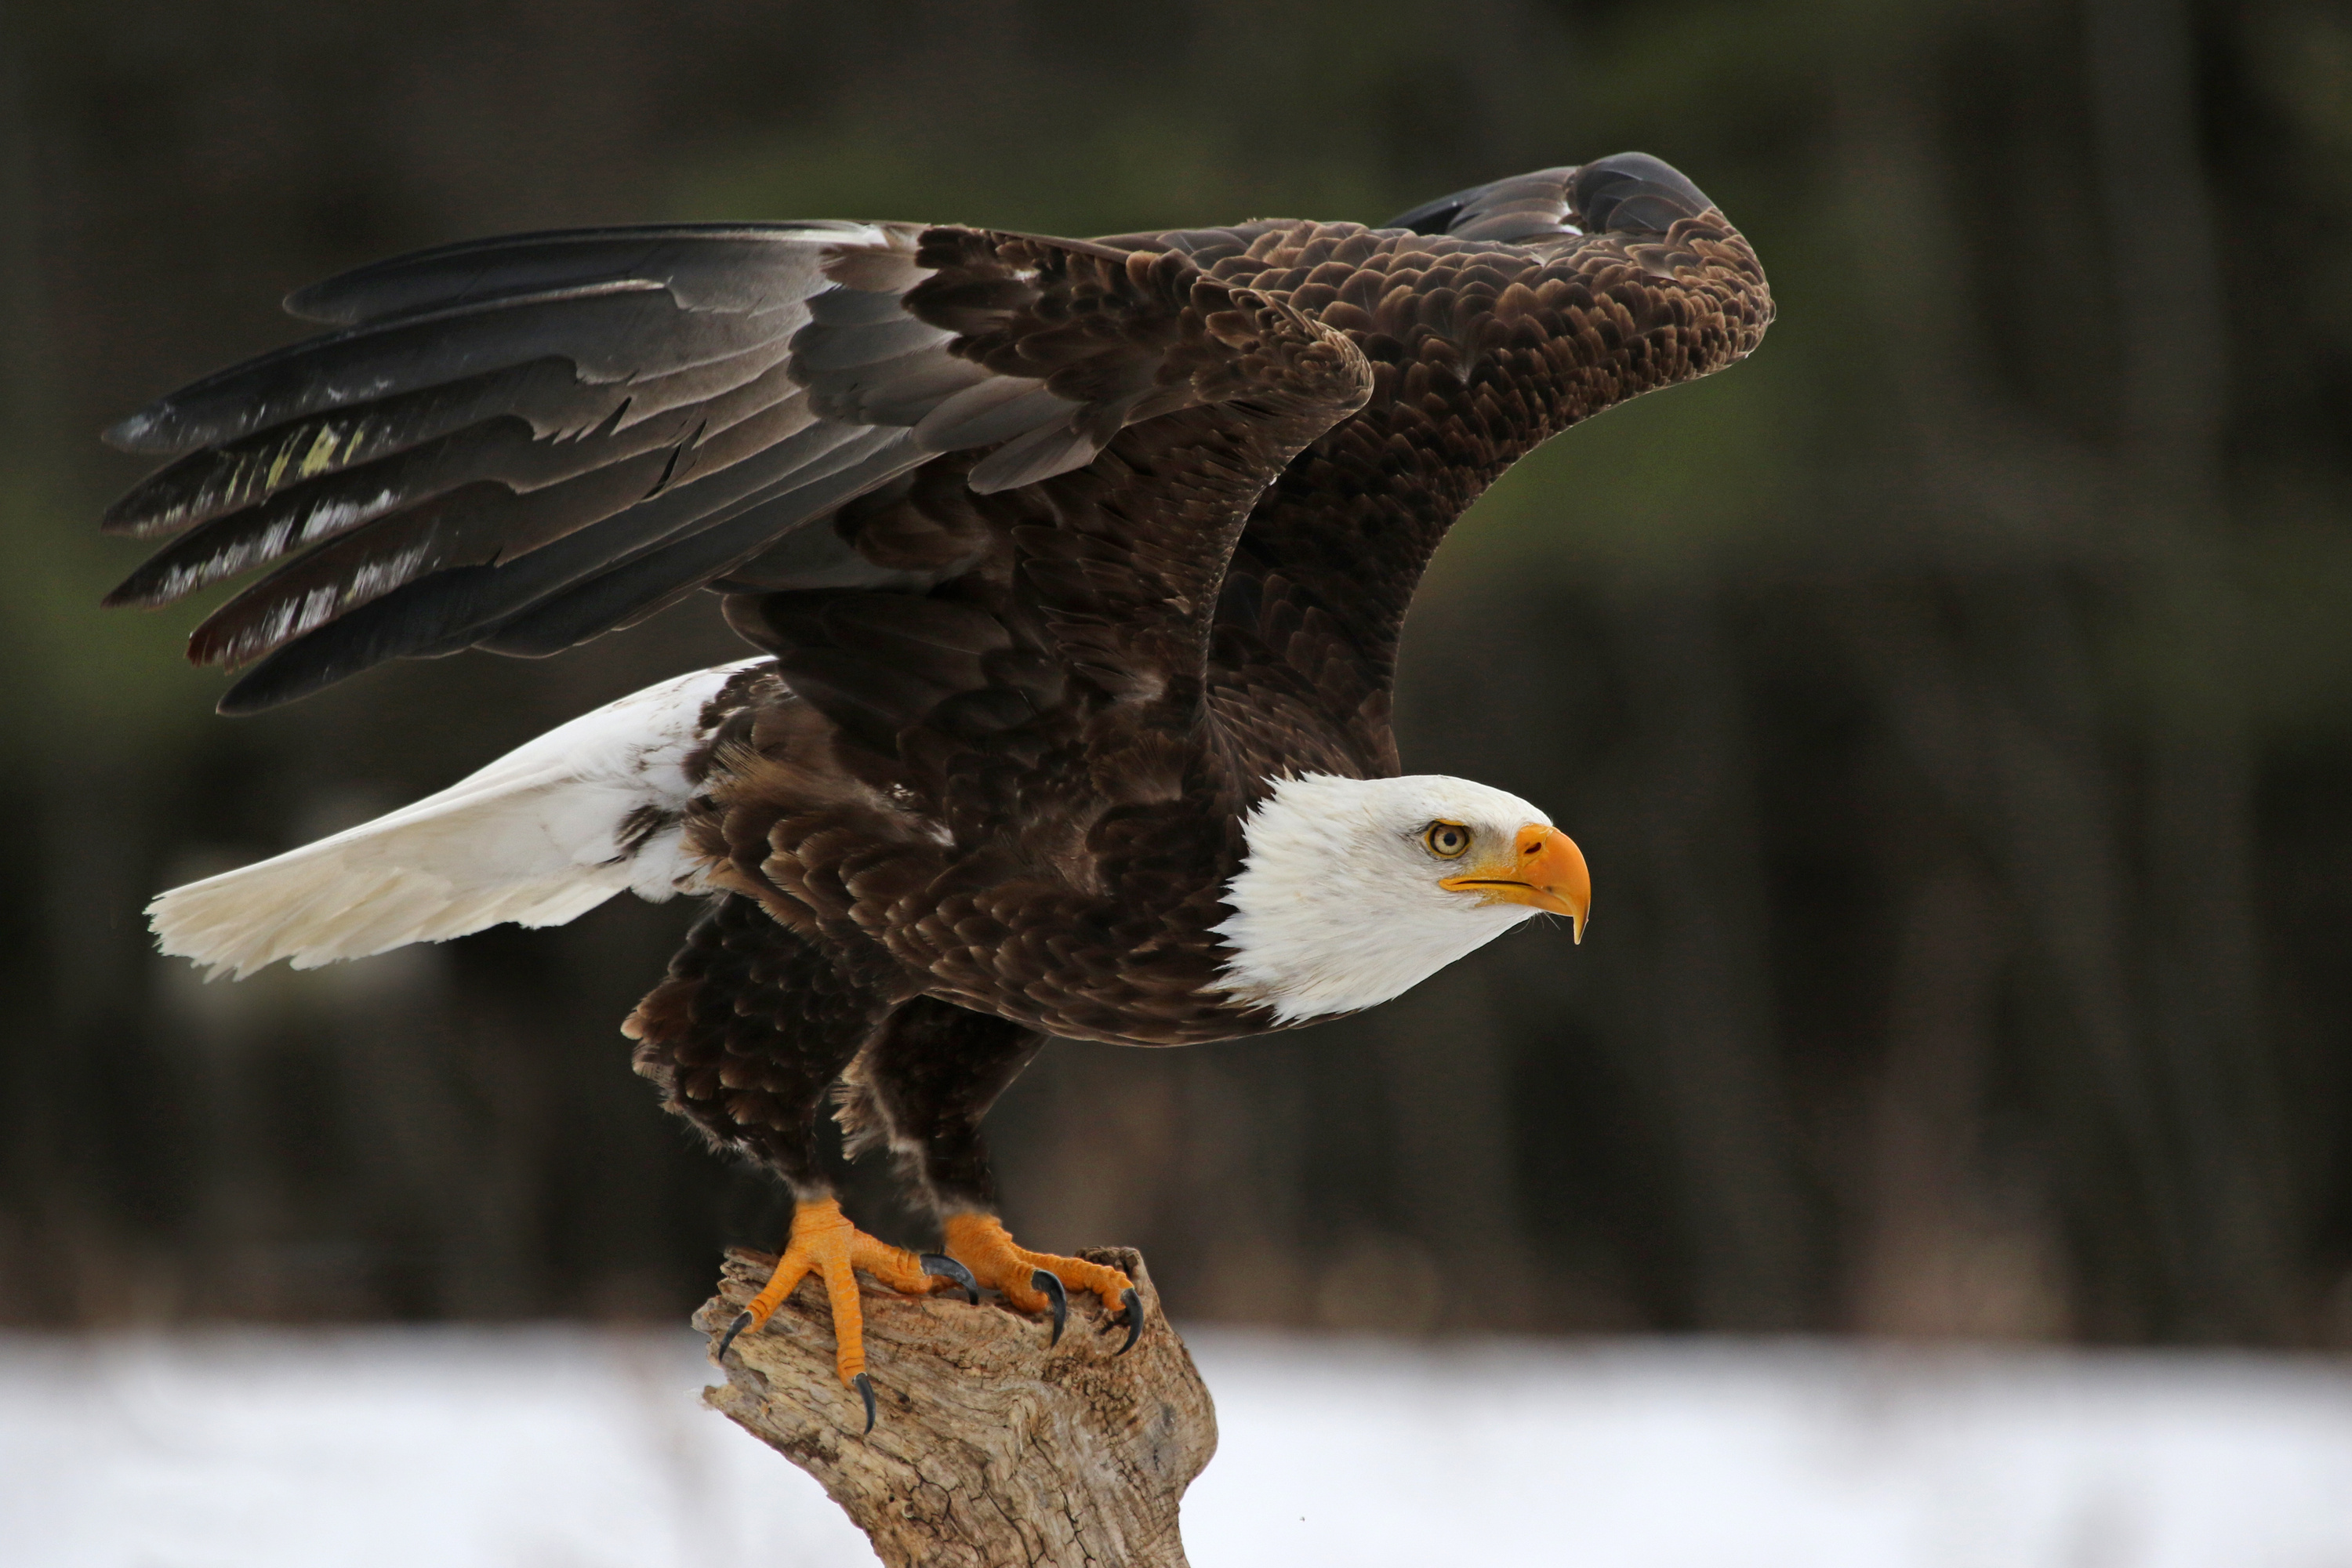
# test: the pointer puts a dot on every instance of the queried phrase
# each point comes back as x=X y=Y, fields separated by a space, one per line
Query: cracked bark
x=988 y=1447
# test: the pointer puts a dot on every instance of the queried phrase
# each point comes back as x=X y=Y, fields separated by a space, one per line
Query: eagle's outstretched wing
x=518 y=444
x=1494 y=319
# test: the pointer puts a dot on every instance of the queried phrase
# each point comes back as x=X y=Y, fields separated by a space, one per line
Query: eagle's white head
x=1355 y=890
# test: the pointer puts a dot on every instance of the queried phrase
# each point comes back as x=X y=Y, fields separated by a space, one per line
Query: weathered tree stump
x=989 y=1449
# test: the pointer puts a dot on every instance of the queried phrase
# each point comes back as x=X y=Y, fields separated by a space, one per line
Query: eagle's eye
x=1446 y=840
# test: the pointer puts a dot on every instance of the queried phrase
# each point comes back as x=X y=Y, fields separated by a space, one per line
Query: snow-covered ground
x=562 y=1448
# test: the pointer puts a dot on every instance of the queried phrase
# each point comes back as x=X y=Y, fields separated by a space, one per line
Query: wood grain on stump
x=989 y=1449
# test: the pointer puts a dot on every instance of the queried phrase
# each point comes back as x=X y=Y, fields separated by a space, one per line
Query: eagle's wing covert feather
x=1015 y=618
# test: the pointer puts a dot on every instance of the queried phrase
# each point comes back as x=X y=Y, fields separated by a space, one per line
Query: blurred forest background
x=1955 y=700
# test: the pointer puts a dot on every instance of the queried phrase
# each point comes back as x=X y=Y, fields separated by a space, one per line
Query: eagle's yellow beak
x=1544 y=868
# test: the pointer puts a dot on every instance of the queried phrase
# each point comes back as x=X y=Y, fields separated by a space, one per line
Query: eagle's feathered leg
x=921 y=1086
x=745 y=1035
x=919 y=1089
x=747 y=1032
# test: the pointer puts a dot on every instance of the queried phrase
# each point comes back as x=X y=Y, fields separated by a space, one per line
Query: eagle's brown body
x=1064 y=550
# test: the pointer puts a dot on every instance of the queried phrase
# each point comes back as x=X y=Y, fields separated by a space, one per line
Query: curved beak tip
x=1543 y=871
x=1569 y=879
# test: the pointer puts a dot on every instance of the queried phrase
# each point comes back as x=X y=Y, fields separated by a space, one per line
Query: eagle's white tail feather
x=539 y=837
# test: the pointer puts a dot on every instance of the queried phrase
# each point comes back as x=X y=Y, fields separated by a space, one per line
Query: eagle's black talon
x=1132 y=1307
x=1039 y=1280
x=743 y=1321
x=946 y=1268
x=864 y=1386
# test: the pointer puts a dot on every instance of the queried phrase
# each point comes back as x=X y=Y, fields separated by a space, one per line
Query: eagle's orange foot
x=1034 y=1281
x=825 y=1242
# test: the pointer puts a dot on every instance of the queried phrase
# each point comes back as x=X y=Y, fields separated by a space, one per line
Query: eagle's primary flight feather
x=1076 y=568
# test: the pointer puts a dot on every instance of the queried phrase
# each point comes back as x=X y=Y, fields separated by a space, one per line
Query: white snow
x=568 y=1448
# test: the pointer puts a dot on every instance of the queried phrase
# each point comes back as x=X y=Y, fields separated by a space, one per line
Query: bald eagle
x=1076 y=570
